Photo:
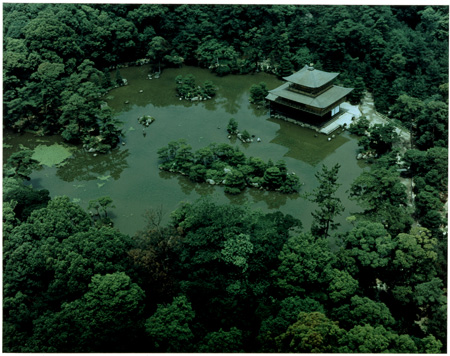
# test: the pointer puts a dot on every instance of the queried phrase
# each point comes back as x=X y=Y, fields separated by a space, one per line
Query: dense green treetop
x=20 y=165
x=105 y=318
x=23 y=199
x=228 y=251
x=61 y=218
x=288 y=310
x=222 y=342
x=384 y=197
x=311 y=332
x=169 y=327
x=305 y=264
x=370 y=243
x=362 y=311
x=342 y=285
x=369 y=339
x=415 y=255
x=84 y=253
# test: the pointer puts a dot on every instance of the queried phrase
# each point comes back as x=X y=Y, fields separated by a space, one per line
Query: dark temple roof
x=327 y=98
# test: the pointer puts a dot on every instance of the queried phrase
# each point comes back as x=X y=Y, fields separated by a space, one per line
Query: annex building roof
x=310 y=77
x=322 y=101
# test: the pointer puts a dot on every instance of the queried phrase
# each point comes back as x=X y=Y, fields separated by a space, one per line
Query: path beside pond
x=367 y=108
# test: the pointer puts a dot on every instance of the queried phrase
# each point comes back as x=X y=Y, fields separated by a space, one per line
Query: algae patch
x=51 y=155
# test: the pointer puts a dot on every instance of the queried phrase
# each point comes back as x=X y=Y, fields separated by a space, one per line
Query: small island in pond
x=146 y=120
x=188 y=89
x=226 y=165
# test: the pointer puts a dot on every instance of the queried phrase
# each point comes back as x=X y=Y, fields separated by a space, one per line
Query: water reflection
x=230 y=92
x=210 y=105
x=85 y=167
x=305 y=144
x=230 y=106
x=167 y=175
x=274 y=200
x=239 y=199
x=13 y=142
x=258 y=110
x=204 y=189
x=162 y=92
x=185 y=184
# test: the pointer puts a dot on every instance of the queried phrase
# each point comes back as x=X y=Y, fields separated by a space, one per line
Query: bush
x=232 y=126
x=222 y=70
x=232 y=191
x=290 y=185
x=247 y=66
x=360 y=126
x=235 y=179
x=197 y=173
x=272 y=178
x=285 y=68
x=258 y=93
x=245 y=135
x=258 y=166
x=209 y=88
x=258 y=181
x=119 y=79
x=215 y=175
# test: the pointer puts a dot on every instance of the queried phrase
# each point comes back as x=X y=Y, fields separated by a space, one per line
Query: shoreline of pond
x=129 y=174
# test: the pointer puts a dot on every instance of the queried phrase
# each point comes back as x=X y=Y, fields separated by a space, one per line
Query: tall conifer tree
x=329 y=205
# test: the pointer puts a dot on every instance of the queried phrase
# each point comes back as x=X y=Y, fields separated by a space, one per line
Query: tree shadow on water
x=186 y=185
x=204 y=189
x=167 y=175
x=238 y=199
x=274 y=200
x=84 y=166
x=305 y=144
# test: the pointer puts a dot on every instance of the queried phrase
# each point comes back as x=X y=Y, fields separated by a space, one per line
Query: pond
x=130 y=174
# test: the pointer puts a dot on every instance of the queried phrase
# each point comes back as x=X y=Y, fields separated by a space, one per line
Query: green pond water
x=130 y=174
